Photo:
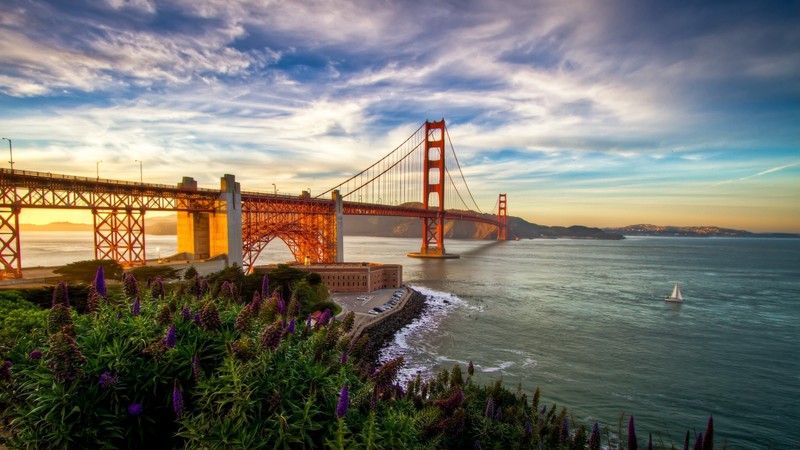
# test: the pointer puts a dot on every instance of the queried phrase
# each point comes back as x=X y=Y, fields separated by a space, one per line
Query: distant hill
x=166 y=225
x=388 y=227
x=411 y=227
x=708 y=231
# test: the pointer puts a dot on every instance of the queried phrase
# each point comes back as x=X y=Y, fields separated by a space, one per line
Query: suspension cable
x=461 y=172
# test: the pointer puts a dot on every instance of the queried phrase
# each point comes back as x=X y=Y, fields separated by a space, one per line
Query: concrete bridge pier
x=203 y=235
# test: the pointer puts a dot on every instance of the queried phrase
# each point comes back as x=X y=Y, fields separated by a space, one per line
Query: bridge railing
x=57 y=176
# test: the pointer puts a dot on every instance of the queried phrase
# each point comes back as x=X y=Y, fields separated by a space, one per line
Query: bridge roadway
x=228 y=221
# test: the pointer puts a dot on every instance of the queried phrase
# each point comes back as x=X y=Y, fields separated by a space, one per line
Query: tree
x=85 y=271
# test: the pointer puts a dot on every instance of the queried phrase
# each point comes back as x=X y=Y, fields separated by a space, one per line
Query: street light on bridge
x=10 y=154
x=141 y=179
x=97 y=166
x=274 y=189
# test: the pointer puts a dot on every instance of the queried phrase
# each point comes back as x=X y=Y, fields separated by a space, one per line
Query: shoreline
x=384 y=329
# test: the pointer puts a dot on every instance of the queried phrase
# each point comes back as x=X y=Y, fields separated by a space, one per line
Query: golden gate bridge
x=416 y=179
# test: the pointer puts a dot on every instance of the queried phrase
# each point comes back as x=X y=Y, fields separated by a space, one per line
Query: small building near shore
x=355 y=277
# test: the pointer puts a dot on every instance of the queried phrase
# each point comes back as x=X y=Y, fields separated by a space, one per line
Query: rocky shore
x=383 y=331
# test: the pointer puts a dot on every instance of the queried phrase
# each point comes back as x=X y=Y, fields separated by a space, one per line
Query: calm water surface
x=586 y=321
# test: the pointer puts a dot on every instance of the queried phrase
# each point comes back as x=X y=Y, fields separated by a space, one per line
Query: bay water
x=585 y=320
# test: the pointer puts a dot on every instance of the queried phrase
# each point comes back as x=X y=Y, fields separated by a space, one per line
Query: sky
x=598 y=113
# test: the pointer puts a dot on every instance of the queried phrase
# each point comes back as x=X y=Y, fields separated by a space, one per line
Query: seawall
x=381 y=332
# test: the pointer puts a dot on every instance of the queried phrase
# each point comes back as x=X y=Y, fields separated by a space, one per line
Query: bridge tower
x=10 y=255
x=433 y=192
x=502 y=213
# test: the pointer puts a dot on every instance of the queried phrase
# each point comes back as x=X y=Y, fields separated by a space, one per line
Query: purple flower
x=177 y=399
x=698 y=444
x=594 y=438
x=136 y=308
x=564 y=435
x=65 y=359
x=100 y=282
x=196 y=371
x=36 y=354
x=632 y=445
x=344 y=402
x=290 y=328
x=265 y=287
x=5 y=371
x=708 y=439
x=108 y=380
x=119 y=316
x=344 y=357
x=528 y=429
x=171 y=338
x=60 y=295
x=255 y=305
x=130 y=285
x=157 y=288
x=281 y=307
x=308 y=321
x=135 y=409
x=489 y=411
x=186 y=314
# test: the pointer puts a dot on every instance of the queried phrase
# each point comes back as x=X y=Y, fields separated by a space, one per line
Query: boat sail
x=676 y=295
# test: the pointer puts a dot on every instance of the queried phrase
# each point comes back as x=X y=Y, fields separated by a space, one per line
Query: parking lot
x=363 y=302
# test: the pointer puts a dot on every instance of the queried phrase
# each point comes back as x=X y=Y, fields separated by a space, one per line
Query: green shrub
x=18 y=317
x=152 y=272
x=84 y=271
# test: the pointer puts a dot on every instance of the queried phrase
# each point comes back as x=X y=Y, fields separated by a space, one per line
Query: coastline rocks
x=382 y=332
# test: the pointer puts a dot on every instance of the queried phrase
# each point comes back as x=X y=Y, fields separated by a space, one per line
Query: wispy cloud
x=625 y=97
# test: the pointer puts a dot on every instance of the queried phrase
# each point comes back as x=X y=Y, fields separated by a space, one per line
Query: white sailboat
x=676 y=296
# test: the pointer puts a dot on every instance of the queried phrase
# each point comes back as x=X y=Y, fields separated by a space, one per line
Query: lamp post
x=10 y=154
x=97 y=166
x=274 y=189
x=141 y=179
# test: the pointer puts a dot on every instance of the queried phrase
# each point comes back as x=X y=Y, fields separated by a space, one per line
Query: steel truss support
x=10 y=255
x=502 y=216
x=433 y=189
x=119 y=235
x=307 y=227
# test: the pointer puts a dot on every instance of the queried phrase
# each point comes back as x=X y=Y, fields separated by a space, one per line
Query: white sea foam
x=439 y=305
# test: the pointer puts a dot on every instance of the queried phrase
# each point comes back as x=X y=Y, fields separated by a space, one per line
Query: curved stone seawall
x=382 y=331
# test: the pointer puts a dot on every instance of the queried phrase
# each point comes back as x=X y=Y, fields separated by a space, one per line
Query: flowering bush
x=190 y=370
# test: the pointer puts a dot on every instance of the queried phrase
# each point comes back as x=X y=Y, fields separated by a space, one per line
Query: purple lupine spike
x=135 y=409
x=489 y=411
x=265 y=287
x=344 y=402
x=255 y=304
x=137 y=307
x=61 y=295
x=177 y=399
x=528 y=429
x=171 y=338
x=343 y=360
x=203 y=286
x=186 y=314
x=196 y=370
x=100 y=282
x=157 y=288
x=594 y=438
x=197 y=320
x=698 y=444
x=632 y=445
x=290 y=328
x=130 y=285
x=708 y=438
x=564 y=432
x=35 y=354
x=281 y=307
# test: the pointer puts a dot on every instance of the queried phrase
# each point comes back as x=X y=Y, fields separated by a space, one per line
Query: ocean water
x=586 y=321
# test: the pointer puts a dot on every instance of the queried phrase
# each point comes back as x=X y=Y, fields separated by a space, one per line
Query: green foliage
x=84 y=271
x=242 y=379
x=190 y=273
x=152 y=272
x=18 y=317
